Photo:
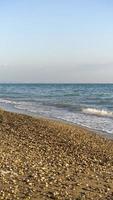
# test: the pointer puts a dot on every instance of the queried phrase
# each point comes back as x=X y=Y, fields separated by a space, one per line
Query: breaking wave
x=7 y=101
x=98 y=112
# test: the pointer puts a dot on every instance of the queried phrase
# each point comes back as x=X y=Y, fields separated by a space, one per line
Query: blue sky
x=56 y=41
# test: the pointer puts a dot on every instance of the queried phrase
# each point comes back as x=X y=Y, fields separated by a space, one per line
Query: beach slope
x=45 y=159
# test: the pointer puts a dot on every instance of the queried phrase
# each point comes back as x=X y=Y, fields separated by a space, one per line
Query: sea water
x=89 y=105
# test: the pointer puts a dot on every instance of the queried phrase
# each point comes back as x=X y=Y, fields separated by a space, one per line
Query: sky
x=56 y=41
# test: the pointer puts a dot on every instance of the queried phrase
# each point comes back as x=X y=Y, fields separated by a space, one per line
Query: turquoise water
x=89 y=105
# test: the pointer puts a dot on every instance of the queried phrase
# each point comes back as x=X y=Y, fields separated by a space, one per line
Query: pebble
x=43 y=159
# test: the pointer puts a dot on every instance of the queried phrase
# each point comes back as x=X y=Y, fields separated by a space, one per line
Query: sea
x=88 y=105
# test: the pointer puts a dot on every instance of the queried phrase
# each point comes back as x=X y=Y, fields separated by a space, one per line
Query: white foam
x=98 y=112
x=7 y=101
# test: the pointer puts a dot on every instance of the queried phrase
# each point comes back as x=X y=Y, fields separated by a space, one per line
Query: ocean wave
x=98 y=112
x=71 y=94
x=26 y=108
x=7 y=101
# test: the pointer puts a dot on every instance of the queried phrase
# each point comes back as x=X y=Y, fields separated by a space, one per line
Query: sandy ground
x=41 y=159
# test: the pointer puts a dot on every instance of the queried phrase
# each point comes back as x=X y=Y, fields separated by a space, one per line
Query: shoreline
x=93 y=131
x=49 y=159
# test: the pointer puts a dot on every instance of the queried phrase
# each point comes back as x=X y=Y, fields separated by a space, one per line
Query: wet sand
x=42 y=159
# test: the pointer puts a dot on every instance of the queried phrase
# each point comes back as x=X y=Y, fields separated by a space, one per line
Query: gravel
x=42 y=159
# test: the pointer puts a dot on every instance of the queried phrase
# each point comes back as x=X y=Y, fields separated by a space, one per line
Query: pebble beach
x=42 y=159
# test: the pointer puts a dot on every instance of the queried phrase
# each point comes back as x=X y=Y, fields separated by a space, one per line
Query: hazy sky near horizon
x=56 y=41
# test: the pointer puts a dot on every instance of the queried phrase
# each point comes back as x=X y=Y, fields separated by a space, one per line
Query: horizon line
x=55 y=83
